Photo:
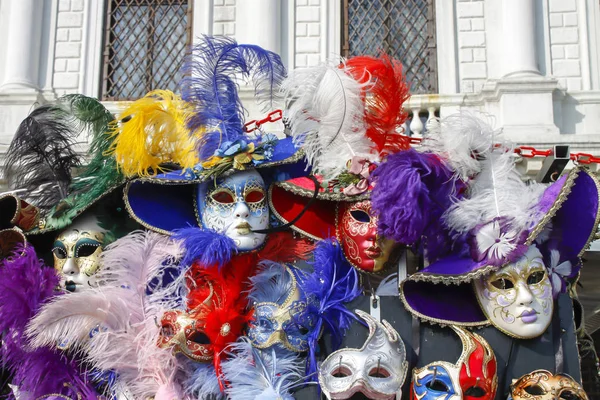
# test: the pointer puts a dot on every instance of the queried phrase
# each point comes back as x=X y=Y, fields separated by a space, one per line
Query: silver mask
x=377 y=370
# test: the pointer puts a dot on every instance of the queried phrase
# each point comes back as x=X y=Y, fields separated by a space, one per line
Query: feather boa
x=25 y=283
x=326 y=115
x=261 y=374
x=333 y=283
x=209 y=84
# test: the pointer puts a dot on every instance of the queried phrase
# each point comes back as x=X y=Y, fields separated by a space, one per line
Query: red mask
x=186 y=335
x=356 y=230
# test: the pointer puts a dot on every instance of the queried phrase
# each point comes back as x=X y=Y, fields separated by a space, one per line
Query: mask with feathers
x=280 y=317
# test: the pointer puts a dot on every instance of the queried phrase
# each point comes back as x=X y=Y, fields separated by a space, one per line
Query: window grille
x=144 y=45
x=404 y=29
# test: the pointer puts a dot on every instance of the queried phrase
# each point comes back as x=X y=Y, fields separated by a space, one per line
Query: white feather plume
x=388 y=286
x=486 y=162
x=326 y=114
x=267 y=374
x=461 y=140
x=202 y=382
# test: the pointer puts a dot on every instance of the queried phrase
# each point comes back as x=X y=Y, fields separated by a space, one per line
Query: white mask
x=518 y=298
x=77 y=252
x=236 y=207
x=377 y=370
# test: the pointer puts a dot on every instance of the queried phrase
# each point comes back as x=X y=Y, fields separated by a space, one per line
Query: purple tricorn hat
x=564 y=217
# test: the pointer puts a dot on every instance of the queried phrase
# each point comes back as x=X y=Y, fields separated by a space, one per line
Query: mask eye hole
x=535 y=277
x=222 y=196
x=437 y=386
x=59 y=253
x=360 y=216
x=86 y=250
x=534 y=390
x=167 y=331
x=341 y=372
x=475 y=391
x=503 y=283
x=379 y=373
x=199 y=338
x=568 y=395
x=254 y=196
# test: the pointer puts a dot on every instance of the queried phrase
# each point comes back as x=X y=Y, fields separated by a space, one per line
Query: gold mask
x=544 y=385
x=77 y=257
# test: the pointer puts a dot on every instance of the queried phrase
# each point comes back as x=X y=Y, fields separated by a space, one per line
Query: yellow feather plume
x=151 y=132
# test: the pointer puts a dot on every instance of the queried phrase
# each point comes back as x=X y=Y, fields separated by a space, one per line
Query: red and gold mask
x=544 y=385
x=356 y=230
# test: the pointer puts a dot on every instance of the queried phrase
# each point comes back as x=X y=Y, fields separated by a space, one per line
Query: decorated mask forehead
x=472 y=377
x=544 y=385
x=282 y=322
x=377 y=370
x=518 y=299
x=76 y=253
x=357 y=232
x=235 y=207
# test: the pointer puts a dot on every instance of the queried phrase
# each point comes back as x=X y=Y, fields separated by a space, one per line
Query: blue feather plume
x=333 y=283
x=202 y=382
x=205 y=246
x=273 y=283
x=209 y=84
x=261 y=374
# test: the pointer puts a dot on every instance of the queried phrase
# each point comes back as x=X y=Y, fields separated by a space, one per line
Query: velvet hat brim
x=442 y=292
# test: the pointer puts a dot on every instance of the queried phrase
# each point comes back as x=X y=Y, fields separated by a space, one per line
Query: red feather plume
x=384 y=99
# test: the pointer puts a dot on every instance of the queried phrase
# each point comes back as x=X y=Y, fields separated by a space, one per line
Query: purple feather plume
x=25 y=284
x=412 y=191
x=205 y=246
x=209 y=84
x=332 y=285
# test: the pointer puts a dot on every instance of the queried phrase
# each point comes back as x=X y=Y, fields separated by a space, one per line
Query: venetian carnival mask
x=186 y=335
x=282 y=322
x=472 y=377
x=377 y=370
x=77 y=252
x=236 y=207
x=544 y=385
x=356 y=230
x=518 y=298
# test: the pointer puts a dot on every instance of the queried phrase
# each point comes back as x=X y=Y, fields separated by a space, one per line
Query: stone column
x=23 y=50
x=519 y=50
x=259 y=22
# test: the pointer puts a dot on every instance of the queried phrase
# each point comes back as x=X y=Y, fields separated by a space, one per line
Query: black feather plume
x=41 y=156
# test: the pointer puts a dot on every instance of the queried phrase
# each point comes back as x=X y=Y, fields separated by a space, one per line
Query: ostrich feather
x=273 y=283
x=125 y=312
x=202 y=383
x=209 y=84
x=332 y=285
x=388 y=92
x=261 y=374
x=25 y=284
x=151 y=132
x=41 y=156
x=412 y=191
x=326 y=115
x=462 y=140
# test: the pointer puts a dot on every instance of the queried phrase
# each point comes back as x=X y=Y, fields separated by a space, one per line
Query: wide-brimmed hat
x=566 y=217
x=167 y=202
